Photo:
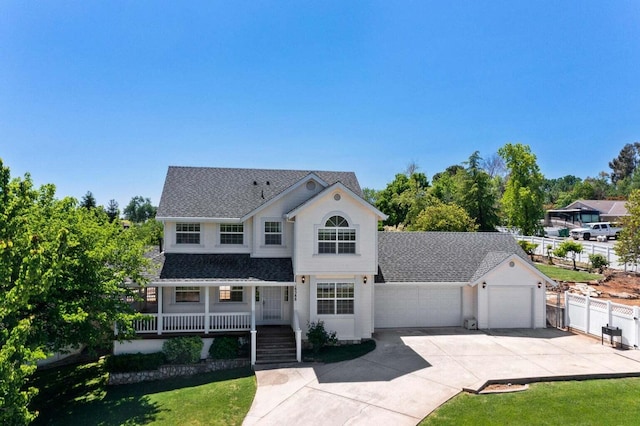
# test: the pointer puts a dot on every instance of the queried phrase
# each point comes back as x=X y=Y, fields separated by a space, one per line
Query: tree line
x=505 y=189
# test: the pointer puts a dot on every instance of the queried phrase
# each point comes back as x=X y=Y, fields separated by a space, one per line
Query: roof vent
x=255 y=183
x=268 y=183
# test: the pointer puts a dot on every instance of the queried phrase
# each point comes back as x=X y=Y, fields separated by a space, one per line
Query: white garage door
x=398 y=305
x=510 y=307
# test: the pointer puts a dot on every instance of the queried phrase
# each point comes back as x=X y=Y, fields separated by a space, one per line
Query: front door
x=271 y=303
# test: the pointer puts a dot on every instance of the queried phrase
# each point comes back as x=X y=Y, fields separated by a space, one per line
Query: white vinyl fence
x=588 y=248
x=589 y=315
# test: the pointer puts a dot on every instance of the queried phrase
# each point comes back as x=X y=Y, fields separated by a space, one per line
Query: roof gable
x=338 y=185
x=605 y=207
x=442 y=256
x=218 y=193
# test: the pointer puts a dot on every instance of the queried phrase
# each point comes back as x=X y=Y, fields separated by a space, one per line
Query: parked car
x=596 y=229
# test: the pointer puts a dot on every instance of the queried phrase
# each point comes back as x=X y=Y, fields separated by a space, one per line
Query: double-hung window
x=187 y=233
x=232 y=233
x=336 y=237
x=188 y=294
x=335 y=298
x=231 y=293
x=272 y=233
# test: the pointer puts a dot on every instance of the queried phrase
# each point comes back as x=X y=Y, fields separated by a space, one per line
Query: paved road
x=413 y=371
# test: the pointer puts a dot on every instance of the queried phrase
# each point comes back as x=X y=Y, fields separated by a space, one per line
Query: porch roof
x=173 y=267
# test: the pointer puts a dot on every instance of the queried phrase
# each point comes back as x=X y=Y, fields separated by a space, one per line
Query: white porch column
x=159 y=290
x=206 y=310
x=253 y=326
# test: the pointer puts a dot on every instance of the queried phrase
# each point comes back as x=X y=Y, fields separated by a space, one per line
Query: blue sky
x=104 y=96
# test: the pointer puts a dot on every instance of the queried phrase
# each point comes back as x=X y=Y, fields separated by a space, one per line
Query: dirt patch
x=504 y=387
x=617 y=286
x=621 y=287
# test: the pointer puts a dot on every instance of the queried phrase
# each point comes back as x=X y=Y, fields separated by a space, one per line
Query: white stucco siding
x=419 y=305
x=209 y=239
x=514 y=297
x=307 y=222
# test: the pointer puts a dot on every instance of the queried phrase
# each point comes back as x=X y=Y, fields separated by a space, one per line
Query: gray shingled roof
x=222 y=267
x=231 y=193
x=442 y=256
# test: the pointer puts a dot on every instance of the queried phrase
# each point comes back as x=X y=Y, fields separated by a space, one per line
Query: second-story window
x=336 y=237
x=187 y=233
x=273 y=233
x=231 y=233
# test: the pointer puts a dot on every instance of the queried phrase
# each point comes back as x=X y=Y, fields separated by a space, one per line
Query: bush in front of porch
x=183 y=350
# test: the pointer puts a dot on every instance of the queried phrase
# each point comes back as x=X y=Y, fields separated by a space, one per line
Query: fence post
x=587 y=313
x=609 y=313
x=636 y=326
x=566 y=309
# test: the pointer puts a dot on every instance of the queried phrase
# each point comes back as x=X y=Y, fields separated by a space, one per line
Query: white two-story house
x=247 y=248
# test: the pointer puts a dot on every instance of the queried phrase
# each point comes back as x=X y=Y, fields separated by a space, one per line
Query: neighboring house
x=246 y=248
x=586 y=211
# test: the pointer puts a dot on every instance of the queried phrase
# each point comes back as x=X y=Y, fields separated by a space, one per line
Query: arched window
x=336 y=237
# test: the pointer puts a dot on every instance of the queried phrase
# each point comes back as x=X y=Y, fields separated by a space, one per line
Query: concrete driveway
x=413 y=371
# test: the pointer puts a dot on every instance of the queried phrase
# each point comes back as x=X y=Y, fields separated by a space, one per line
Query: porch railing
x=193 y=323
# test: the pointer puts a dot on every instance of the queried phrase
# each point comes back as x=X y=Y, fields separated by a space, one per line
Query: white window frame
x=334 y=232
x=233 y=233
x=266 y=233
x=185 y=290
x=331 y=290
x=228 y=291
x=188 y=230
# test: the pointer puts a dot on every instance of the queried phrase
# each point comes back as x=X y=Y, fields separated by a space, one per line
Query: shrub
x=134 y=362
x=183 y=350
x=598 y=261
x=529 y=248
x=224 y=348
x=319 y=337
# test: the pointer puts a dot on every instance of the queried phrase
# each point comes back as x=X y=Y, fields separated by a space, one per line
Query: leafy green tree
x=444 y=217
x=139 y=210
x=625 y=163
x=523 y=197
x=569 y=248
x=370 y=195
x=62 y=275
x=628 y=245
x=478 y=195
x=88 y=201
x=150 y=232
x=447 y=185
x=528 y=247
x=400 y=195
x=112 y=210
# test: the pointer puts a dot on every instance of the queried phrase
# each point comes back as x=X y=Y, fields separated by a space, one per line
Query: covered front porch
x=208 y=309
x=213 y=294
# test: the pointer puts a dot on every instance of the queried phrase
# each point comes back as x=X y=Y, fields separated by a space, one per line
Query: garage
x=510 y=307
x=417 y=305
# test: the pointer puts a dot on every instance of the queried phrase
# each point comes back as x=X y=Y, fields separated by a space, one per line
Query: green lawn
x=591 y=402
x=79 y=395
x=562 y=274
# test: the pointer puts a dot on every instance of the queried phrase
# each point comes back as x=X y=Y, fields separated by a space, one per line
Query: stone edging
x=169 y=371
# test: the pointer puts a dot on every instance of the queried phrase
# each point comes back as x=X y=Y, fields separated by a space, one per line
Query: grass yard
x=79 y=395
x=562 y=274
x=590 y=402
